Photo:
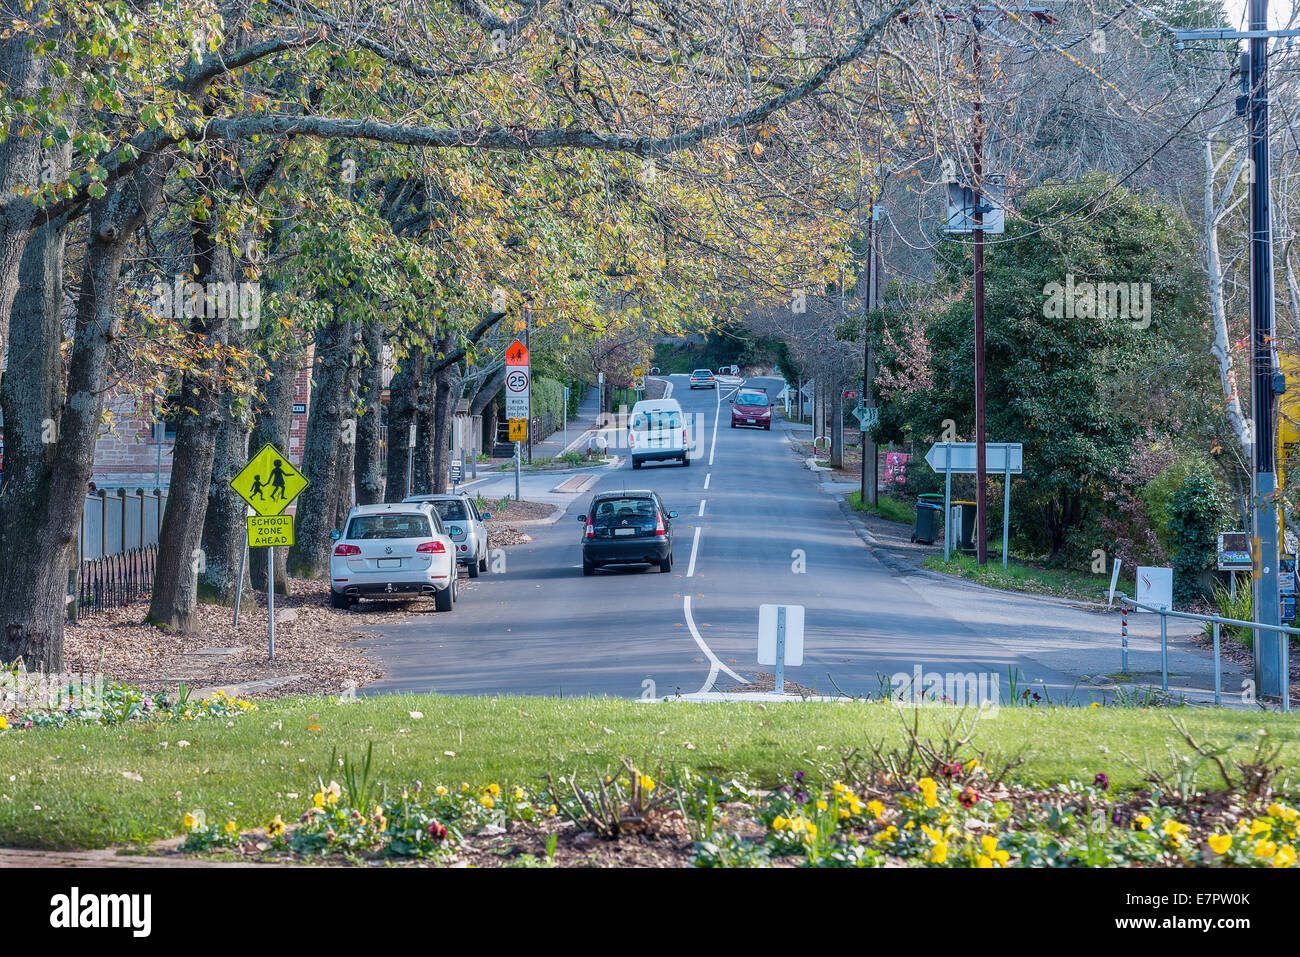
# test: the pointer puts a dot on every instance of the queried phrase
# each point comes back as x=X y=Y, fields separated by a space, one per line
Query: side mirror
x=335 y=535
x=672 y=514
x=485 y=516
x=582 y=518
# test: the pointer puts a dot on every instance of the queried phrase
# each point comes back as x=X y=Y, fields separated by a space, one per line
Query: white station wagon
x=392 y=549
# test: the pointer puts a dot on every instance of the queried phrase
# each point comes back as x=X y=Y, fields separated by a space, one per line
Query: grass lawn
x=67 y=788
x=888 y=507
x=1018 y=576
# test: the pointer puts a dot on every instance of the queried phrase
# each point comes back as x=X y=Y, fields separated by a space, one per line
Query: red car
x=751 y=408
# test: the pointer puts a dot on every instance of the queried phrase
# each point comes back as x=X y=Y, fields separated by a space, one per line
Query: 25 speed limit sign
x=518 y=382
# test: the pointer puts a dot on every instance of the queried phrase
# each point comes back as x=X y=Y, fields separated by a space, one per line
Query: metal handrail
x=1217 y=621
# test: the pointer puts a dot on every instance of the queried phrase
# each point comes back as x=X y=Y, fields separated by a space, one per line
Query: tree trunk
x=271 y=422
x=403 y=400
x=224 y=529
x=32 y=606
x=181 y=558
x=368 y=463
x=426 y=430
x=446 y=394
x=329 y=426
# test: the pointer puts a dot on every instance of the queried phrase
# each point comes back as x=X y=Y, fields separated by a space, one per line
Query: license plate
x=389 y=563
x=625 y=531
x=751 y=421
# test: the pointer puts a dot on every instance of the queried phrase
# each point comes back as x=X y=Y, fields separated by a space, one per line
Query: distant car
x=465 y=525
x=392 y=549
x=703 y=379
x=627 y=528
x=751 y=408
x=656 y=430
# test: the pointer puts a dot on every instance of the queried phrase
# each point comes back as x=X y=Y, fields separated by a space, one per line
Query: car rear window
x=752 y=398
x=399 y=525
x=653 y=421
x=702 y=372
x=614 y=511
x=451 y=510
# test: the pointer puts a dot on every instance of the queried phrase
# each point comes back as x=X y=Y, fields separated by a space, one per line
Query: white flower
x=417 y=715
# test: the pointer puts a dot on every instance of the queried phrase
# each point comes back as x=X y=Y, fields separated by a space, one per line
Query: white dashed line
x=702 y=501
x=695 y=547
x=706 y=479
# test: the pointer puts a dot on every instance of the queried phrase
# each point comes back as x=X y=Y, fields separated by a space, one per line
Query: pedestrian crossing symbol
x=269 y=482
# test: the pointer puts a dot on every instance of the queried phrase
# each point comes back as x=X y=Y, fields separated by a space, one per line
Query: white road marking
x=706 y=479
x=713 y=446
x=714 y=664
x=702 y=501
x=695 y=547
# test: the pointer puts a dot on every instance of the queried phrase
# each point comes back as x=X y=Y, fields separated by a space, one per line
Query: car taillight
x=435 y=547
x=590 y=531
x=631 y=440
x=659 y=524
x=346 y=550
x=683 y=436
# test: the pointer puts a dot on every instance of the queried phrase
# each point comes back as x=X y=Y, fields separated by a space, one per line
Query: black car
x=627 y=528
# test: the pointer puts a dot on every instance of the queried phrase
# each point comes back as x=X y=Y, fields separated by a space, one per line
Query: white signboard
x=1155 y=586
x=518 y=385
x=961 y=457
x=961 y=207
x=767 y=620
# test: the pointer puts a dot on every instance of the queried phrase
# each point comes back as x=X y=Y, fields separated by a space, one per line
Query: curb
x=892 y=561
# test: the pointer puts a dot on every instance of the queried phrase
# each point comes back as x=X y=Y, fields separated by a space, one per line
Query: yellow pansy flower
x=1285 y=856
x=1265 y=848
x=1219 y=843
x=876 y=808
x=1141 y=822
x=929 y=791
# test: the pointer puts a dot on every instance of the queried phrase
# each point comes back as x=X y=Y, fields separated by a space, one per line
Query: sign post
x=960 y=458
x=269 y=483
x=780 y=639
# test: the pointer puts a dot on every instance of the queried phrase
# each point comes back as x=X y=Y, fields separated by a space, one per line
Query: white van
x=656 y=430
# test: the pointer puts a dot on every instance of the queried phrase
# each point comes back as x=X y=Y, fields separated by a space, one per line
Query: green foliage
x=1194 y=514
x=1070 y=386
x=1237 y=606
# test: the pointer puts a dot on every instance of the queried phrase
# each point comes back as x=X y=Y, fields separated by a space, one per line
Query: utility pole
x=1269 y=679
x=981 y=492
x=1266 y=381
x=870 y=480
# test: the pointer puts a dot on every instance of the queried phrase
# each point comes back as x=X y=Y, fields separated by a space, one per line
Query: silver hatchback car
x=465 y=525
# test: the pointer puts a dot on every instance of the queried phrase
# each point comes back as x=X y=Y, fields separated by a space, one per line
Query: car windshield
x=752 y=398
x=451 y=510
x=702 y=373
x=655 y=419
x=620 y=511
x=403 y=525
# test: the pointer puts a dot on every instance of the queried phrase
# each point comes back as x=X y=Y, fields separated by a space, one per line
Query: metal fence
x=118 y=521
x=115 y=580
x=1217 y=622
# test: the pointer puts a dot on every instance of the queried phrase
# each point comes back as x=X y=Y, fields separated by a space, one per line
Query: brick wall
x=128 y=454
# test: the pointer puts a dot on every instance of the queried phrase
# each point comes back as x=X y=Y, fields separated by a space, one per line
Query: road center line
x=695 y=547
x=713 y=446
x=714 y=664
x=706 y=479
x=702 y=501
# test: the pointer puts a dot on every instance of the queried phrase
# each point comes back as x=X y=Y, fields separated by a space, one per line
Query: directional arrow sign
x=269 y=482
x=959 y=457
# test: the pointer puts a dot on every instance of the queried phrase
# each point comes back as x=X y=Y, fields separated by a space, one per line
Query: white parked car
x=392 y=549
x=461 y=518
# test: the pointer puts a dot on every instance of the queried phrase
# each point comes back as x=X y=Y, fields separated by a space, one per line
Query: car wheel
x=339 y=600
x=443 y=600
x=482 y=564
x=733 y=425
x=686 y=461
x=588 y=568
x=666 y=564
x=472 y=568
x=767 y=428
x=636 y=464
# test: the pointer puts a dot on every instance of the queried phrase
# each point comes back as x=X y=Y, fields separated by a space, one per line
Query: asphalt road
x=753 y=527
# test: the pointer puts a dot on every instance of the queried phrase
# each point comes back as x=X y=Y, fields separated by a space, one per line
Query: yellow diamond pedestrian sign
x=269 y=482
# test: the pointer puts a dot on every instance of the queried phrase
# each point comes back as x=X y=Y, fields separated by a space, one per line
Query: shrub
x=1194 y=514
